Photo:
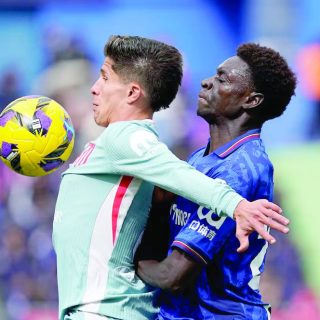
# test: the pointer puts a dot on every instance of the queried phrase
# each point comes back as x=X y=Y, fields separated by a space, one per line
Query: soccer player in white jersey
x=105 y=195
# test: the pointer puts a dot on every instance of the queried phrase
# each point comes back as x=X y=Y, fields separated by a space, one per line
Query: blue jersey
x=228 y=285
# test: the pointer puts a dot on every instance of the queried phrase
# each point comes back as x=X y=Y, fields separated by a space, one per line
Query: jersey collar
x=234 y=144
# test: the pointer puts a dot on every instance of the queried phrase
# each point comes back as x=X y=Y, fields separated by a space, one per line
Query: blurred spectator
x=282 y=283
x=173 y=126
x=308 y=63
x=9 y=88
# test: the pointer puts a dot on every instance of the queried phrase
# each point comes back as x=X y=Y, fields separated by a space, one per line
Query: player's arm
x=175 y=273
x=155 y=240
x=142 y=155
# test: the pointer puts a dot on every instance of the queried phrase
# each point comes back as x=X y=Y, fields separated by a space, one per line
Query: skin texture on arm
x=155 y=241
x=175 y=273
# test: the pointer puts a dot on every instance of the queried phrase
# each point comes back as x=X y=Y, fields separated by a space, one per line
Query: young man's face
x=109 y=94
x=223 y=94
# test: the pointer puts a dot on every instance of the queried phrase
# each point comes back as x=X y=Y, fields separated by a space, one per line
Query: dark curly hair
x=271 y=76
x=155 y=65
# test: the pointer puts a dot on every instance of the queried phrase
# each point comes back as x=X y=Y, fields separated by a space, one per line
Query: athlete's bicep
x=155 y=240
x=183 y=270
x=176 y=273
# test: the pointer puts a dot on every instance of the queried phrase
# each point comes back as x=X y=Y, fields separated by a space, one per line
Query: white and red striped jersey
x=101 y=212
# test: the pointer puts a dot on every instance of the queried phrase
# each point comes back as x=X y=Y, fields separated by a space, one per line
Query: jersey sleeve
x=205 y=233
x=136 y=151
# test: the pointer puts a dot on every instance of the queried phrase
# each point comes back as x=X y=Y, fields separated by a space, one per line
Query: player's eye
x=220 y=79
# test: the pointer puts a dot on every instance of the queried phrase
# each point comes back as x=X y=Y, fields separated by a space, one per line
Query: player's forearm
x=175 y=273
x=154 y=273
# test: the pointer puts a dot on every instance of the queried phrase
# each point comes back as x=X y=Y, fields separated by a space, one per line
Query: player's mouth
x=202 y=94
x=201 y=97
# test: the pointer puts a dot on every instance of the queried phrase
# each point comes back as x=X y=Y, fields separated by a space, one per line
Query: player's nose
x=95 y=88
x=206 y=83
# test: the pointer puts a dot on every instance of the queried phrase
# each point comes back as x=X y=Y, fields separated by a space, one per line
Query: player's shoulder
x=131 y=125
x=130 y=138
x=198 y=152
x=246 y=156
x=253 y=152
x=247 y=167
x=125 y=129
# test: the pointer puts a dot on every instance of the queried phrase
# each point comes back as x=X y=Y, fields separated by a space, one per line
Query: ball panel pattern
x=36 y=135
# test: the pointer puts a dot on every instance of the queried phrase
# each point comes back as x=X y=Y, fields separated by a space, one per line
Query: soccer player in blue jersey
x=206 y=274
x=105 y=195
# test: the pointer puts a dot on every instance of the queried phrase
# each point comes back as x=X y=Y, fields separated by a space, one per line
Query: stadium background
x=55 y=48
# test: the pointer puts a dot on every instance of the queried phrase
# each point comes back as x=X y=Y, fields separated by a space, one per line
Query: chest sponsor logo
x=181 y=217
x=212 y=218
x=83 y=158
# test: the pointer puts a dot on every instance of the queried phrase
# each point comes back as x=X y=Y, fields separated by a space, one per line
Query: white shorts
x=82 y=315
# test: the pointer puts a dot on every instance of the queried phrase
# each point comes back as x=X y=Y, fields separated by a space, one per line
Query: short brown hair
x=155 y=65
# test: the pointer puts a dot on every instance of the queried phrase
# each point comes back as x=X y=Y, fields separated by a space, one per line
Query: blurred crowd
x=28 y=288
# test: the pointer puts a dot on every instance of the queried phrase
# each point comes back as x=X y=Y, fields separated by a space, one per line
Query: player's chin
x=201 y=111
x=97 y=120
x=202 y=106
x=101 y=122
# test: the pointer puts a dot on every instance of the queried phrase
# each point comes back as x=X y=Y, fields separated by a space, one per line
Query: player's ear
x=253 y=100
x=134 y=92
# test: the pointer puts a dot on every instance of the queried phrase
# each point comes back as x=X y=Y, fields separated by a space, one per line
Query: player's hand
x=254 y=216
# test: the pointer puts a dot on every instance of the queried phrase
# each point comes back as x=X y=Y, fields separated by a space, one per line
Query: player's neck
x=128 y=114
x=220 y=135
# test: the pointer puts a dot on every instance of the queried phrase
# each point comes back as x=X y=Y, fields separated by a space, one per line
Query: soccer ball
x=36 y=135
